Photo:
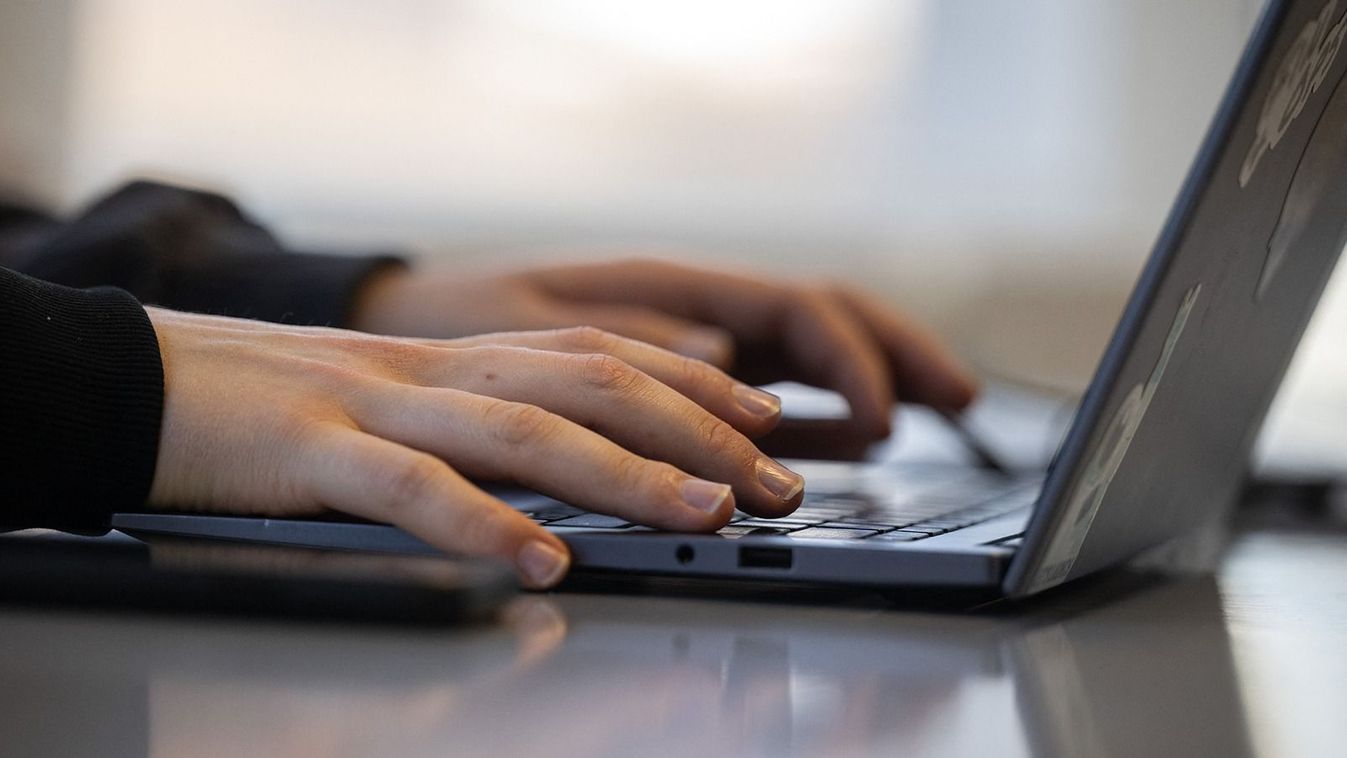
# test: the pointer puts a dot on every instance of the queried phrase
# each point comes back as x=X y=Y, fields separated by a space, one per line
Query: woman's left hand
x=765 y=330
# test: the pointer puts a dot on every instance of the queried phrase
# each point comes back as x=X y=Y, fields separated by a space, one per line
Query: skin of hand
x=275 y=420
x=830 y=336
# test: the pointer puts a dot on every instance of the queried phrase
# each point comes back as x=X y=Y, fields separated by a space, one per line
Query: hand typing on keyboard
x=292 y=421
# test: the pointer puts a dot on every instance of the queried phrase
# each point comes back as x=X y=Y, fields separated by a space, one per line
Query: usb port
x=765 y=557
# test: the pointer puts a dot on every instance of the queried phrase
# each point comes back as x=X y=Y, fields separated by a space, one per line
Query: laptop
x=1161 y=439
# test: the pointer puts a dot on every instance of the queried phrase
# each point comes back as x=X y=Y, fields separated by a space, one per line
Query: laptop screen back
x=1164 y=433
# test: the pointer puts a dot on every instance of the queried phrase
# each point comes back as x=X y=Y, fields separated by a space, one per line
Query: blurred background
x=998 y=169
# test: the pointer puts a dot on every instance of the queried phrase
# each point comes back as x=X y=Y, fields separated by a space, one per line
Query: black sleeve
x=81 y=401
x=191 y=251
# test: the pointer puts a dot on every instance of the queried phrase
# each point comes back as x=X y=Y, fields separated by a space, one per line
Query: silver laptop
x=1161 y=439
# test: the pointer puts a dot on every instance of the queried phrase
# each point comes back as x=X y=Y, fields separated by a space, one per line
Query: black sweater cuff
x=309 y=289
x=195 y=251
x=81 y=398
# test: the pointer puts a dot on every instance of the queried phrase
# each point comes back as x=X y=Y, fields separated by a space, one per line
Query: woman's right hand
x=274 y=420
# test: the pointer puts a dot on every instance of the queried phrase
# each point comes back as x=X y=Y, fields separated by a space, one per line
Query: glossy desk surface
x=1249 y=660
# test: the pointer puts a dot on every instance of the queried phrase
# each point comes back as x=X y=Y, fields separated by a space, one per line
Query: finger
x=836 y=351
x=603 y=393
x=924 y=369
x=823 y=340
x=744 y=305
x=754 y=310
x=491 y=438
x=539 y=308
x=705 y=343
x=383 y=481
x=747 y=408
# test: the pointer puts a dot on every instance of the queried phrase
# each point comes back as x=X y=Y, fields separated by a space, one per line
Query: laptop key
x=592 y=521
x=944 y=523
x=826 y=533
x=851 y=523
x=822 y=514
x=931 y=530
x=841 y=503
x=554 y=512
x=775 y=523
x=873 y=527
x=884 y=519
x=738 y=530
x=813 y=518
x=898 y=536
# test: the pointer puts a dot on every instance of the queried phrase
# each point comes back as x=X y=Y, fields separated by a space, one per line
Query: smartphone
x=43 y=568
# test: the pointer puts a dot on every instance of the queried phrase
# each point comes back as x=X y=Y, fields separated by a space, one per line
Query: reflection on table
x=1130 y=665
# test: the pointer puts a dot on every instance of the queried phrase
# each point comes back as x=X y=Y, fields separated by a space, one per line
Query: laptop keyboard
x=906 y=513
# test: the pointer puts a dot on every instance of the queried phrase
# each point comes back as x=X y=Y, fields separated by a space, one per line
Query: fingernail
x=542 y=564
x=708 y=346
x=704 y=495
x=757 y=402
x=783 y=482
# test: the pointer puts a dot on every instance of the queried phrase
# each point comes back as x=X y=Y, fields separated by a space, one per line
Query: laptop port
x=684 y=554
x=765 y=557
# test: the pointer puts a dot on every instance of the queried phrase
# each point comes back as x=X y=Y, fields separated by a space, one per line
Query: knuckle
x=720 y=440
x=470 y=361
x=382 y=354
x=835 y=288
x=604 y=372
x=627 y=471
x=638 y=475
x=306 y=428
x=413 y=480
x=403 y=357
x=691 y=372
x=636 y=263
x=349 y=342
x=653 y=266
x=516 y=424
x=590 y=339
x=666 y=480
x=333 y=375
x=814 y=299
